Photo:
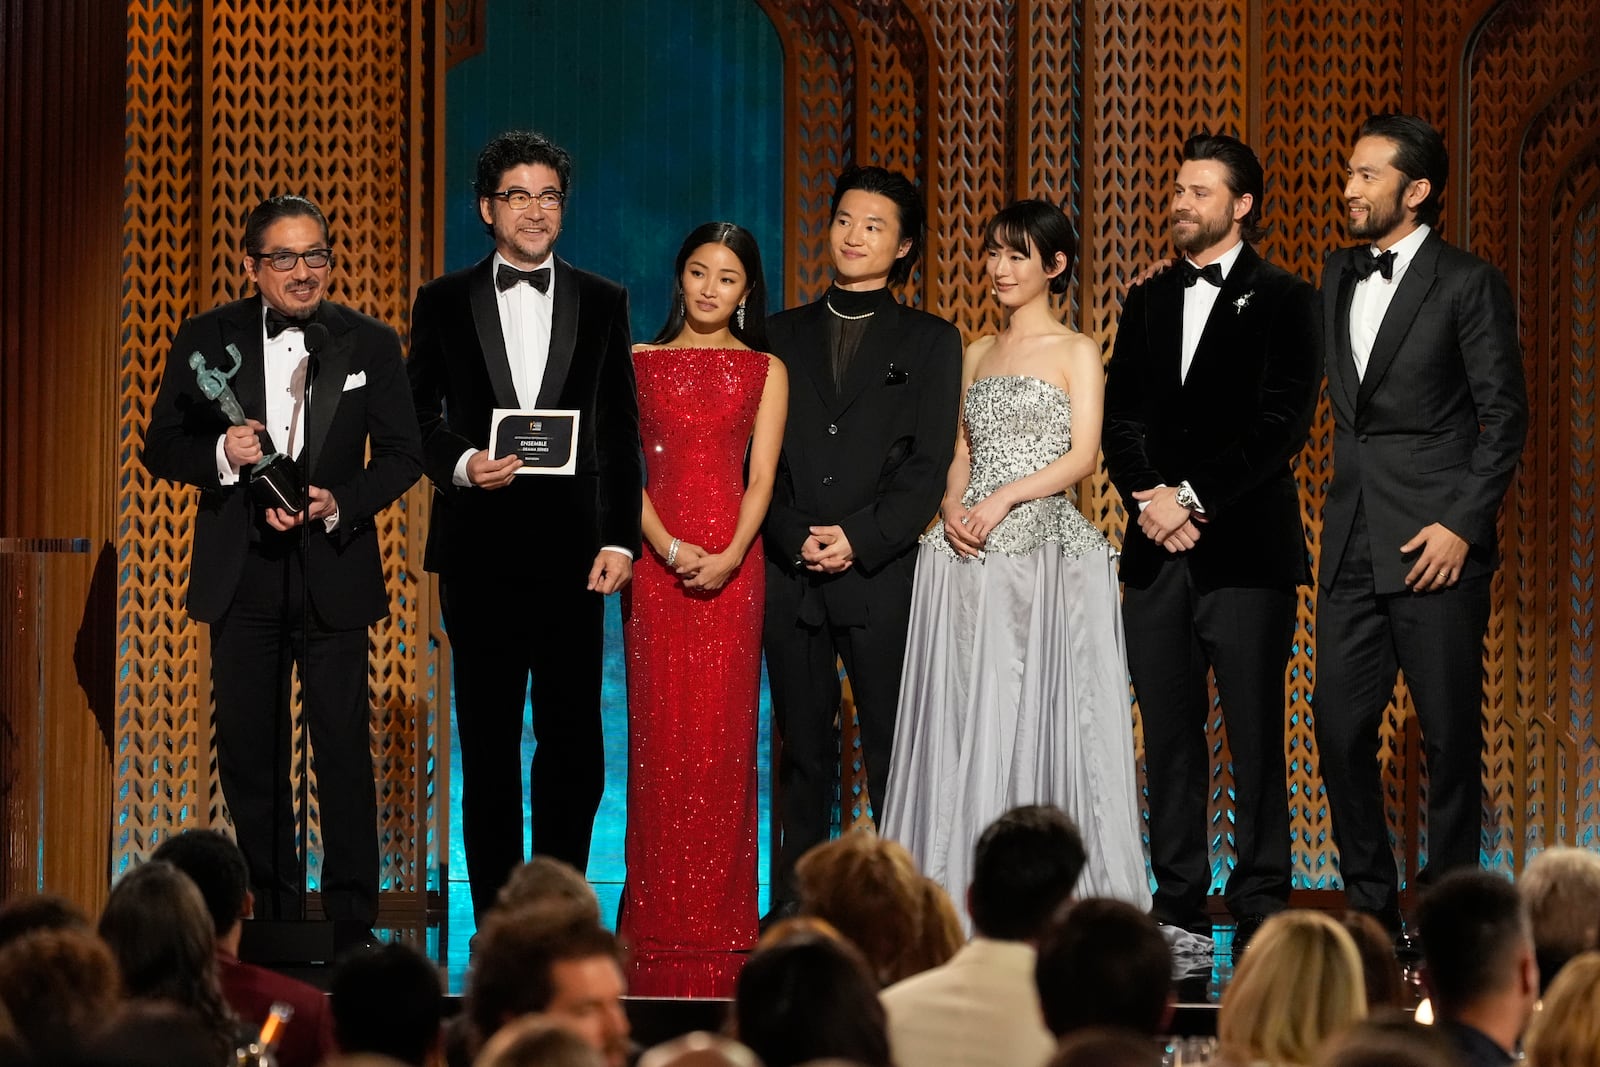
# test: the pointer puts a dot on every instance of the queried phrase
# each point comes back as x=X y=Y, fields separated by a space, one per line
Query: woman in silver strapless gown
x=1015 y=687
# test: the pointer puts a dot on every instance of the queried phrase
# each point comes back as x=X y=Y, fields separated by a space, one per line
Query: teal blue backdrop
x=673 y=113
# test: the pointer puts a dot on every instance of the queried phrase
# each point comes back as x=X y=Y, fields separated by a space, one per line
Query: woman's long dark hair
x=743 y=244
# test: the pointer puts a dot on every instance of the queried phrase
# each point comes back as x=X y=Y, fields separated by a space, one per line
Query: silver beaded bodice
x=1016 y=425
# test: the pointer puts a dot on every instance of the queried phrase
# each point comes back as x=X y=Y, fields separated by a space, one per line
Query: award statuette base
x=275 y=483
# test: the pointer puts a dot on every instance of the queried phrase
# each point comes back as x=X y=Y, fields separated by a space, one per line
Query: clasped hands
x=1167 y=522
x=827 y=551
x=967 y=529
x=702 y=571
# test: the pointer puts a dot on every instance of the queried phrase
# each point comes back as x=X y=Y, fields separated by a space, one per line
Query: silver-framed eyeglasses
x=519 y=199
x=316 y=259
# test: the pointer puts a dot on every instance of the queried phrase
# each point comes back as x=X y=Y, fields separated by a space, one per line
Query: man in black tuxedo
x=871 y=431
x=247 y=575
x=1209 y=395
x=1430 y=411
x=524 y=562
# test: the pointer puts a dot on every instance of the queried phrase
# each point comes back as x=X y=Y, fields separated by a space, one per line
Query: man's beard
x=1380 y=220
x=1207 y=233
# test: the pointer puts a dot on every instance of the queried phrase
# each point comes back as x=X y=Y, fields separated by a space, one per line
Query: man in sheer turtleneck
x=874 y=387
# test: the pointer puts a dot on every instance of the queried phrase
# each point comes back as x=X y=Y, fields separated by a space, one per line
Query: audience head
x=1380 y=973
x=700 y=1049
x=1477 y=947
x=810 y=997
x=38 y=911
x=1566 y=1030
x=57 y=985
x=1024 y=868
x=1299 y=984
x=1561 y=887
x=869 y=889
x=215 y=865
x=940 y=923
x=901 y=198
x=545 y=878
x=1104 y=963
x=1392 y=1038
x=538 y=1041
x=798 y=926
x=152 y=1033
x=551 y=958
x=1102 y=1047
x=1029 y=225
x=718 y=253
x=387 y=1000
x=158 y=928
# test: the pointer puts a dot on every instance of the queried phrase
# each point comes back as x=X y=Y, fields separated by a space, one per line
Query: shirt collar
x=1227 y=259
x=548 y=261
x=1405 y=249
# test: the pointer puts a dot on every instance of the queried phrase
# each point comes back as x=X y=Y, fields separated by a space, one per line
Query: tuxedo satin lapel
x=243 y=329
x=1226 y=315
x=1402 y=312
x=1341 y=358
x=486 y=321
x=563 y=335
x=866 y=369
x=327 y=387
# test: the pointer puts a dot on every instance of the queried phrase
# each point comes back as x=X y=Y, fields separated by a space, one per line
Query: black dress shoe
x=1244 y=931
x=781 y=910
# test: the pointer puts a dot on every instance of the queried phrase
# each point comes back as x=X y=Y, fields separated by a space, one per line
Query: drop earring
x=738 y=316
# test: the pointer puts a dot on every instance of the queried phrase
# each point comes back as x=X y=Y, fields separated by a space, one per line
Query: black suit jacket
x=460 y=373
x=1230 y=428
x=1433 y=431
x=358 y=397
x=872 y=458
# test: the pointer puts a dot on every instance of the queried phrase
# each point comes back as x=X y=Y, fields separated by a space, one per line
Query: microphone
x=316 y=338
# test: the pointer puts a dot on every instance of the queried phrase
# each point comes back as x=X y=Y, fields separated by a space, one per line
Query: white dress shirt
x=1198 y=300
x=1372 y=296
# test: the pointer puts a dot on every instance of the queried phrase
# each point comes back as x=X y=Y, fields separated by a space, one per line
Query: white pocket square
x=355 y=381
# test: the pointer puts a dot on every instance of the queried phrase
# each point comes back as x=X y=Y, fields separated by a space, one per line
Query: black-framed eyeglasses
x=519 y=199
x=316 y=259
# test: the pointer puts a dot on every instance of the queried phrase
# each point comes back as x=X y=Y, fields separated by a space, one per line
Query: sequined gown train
x=694 y=672
x=1015 y=687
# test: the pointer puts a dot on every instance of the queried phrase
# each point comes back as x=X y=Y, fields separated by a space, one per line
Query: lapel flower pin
x=1243 y=302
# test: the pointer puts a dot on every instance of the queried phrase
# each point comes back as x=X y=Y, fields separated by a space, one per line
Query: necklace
x=842 y=315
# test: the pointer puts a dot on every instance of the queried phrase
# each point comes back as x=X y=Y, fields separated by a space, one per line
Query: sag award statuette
x=274 y=482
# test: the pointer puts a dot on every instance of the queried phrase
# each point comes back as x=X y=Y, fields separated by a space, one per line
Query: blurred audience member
x=217 y=868
x=151 y=1033
x=983 y=1006
x=1565 y=1031
x=38 y=911
x=538 y=1041
x=387 y=1000
x=1389 y=1038
x=546 y=878
x=868 y=888
x=1102 y=1047
x=56 y=985
x=1386 y=986
x=810 y=997
x=1104 y=963
x=700 y=1049
x=1478 y=964
x=551 y=958
x=1561 y=887
x=160 y=932
x=1299 y=985
x=942 y=932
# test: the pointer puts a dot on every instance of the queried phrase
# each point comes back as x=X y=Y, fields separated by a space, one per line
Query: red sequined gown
x=694 y=672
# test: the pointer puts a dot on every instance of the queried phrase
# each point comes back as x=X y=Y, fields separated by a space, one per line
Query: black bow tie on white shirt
x=277 y=322
x=1382 y=263
x=1211 y=272
x=508 y=276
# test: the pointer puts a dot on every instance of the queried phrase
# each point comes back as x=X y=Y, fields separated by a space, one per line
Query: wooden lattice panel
x=347 y=137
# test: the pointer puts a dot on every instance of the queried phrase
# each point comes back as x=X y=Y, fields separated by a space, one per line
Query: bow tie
x=277 y=322
x=1383 y=264
x=1211 y=272
x=508 y=276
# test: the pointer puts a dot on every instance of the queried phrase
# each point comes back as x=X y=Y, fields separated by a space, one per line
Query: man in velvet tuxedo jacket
x=525 y=561
x=871 y=431
x=1209 y=395
x=246 y=572
x=1430 y=411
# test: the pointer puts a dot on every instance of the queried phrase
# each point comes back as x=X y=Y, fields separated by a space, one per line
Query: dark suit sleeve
x=442 y=448
x=1123 y=436
x=1288 y=398
x=786 y=527
x=395 y=448
x=621 y=453
x=1486 y=333
x=180 y=443
x=908 y=497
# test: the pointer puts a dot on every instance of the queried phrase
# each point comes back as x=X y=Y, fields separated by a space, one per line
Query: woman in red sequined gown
x=708 y=394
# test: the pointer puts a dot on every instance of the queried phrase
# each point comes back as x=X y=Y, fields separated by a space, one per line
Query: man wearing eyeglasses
x=525 y=561
x=270 y=604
